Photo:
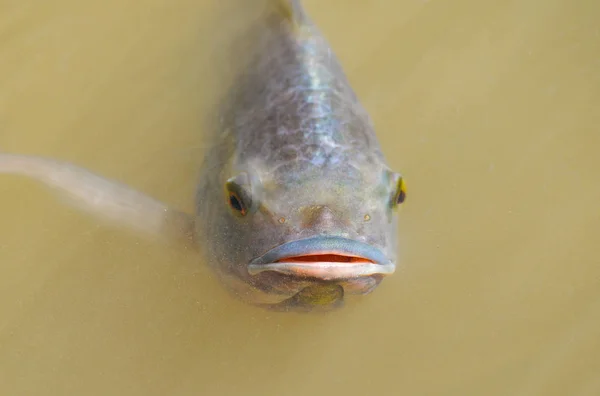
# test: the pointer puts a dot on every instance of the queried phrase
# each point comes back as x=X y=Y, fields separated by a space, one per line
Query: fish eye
x=238 y=195
x=236 y=203
x=400 y=195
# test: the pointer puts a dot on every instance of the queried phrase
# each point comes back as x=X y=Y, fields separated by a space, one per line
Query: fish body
x=295 y=205
x=300 y=154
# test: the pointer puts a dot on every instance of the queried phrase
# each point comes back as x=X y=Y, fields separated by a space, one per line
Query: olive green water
x=490 y=109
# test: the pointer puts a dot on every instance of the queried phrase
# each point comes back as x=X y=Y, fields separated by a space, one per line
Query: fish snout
x=321 y=218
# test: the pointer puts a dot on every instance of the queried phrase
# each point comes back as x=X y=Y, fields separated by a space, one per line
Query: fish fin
x=292 y=11
x=102 y=197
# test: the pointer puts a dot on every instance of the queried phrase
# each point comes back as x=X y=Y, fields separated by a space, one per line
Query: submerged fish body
x=295 y=205
x=299 y=164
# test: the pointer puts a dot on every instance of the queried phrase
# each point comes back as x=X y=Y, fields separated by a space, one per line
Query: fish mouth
x=325 y=258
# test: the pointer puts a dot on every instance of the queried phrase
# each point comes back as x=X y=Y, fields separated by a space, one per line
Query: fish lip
x=273 y=260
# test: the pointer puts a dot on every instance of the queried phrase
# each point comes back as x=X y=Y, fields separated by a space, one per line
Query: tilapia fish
x=295 y=205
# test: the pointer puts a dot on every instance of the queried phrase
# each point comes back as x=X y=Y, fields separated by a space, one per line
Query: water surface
x=490 y=109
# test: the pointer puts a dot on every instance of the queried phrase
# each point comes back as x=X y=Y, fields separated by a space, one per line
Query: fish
x=296 y=206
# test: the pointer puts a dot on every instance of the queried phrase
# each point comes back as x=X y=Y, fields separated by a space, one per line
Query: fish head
x=302 y=242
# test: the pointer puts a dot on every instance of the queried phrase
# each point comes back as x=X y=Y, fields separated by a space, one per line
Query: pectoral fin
x=102 y=197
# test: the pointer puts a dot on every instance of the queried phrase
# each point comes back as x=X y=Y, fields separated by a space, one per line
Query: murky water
x=490 y=109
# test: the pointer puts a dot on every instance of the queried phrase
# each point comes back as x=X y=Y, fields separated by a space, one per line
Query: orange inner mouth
x=315 y=258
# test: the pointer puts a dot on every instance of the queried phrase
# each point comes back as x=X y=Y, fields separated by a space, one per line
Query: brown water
x=490 y=109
